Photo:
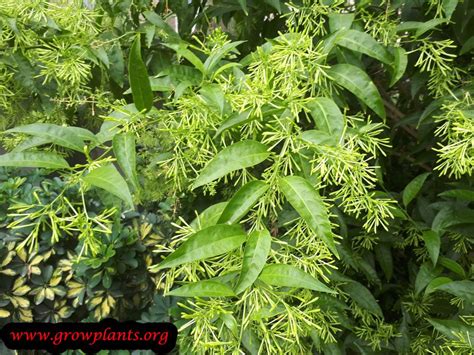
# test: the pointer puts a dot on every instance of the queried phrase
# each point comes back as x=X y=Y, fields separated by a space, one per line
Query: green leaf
x=213 y=95
x=290 y=276
x=448 y=7
x=124 y=150
x=384 y=258
x=139 y=82
x=275 y=4
x=47 y=160
x=424 y=277
x=182 y=51
x=206 y=243
x=358 y=82
x=238 y=156
x=327 y=116
x=364 y=43
x=420 y=27
x=362 y=297
x=233 y=121
x=243 y=200
x=109 y=179
x=116 y=64
x=433 y=243
x=59 y=135
x=339 y=21
x=310 y=206
x=399 y=65
x=451 y=328
x=435 y=283
x=467 y=46
x=216 y=56
x=156 y=20
x=209 y=216
x=205 y=288
x=31 y=142
x=452 y=265
x=463 y=289
x=243 y=5
x=413 y=187
x=316 y=137
x=256 y=252
x=466 y=195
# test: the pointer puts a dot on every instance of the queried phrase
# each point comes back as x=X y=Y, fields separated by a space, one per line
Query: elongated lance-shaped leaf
x=359 y=83
x=256 y=252
x=310 y=206
x=59 y=135
x=234 y=120
x=433 y=244
x=238 y=156
x=364 y=43
x=139 y=82
x=206 y=243
x=243 y=200
x=124 y=150
x=413 y=188
x=399 y=64
x=290 y=276
x=317 y=137
x=47 y=160
x=205 y=288
x=362 y=297
x=327 y=116
x=109 y=179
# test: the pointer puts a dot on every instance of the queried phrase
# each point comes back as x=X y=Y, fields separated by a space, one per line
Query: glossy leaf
x=59 y=135
x=124 y=151
x=451 y=328
x=47 y=160
x=310 y=206
x=420 y=28
x=209 y=216
x=362 y=297
x=399 y=65
x=290 y=276
x=448 y=7
x=243 y=200
x=139 y=82
x=327 y=116
x=413 y=188
x=452 y=265
x=463 y=289
x=256 y=252
x=109 y=179
x=205 y=288
x=216 y=56
x=359 y=83
x=432 y=243
x=238 y=156
x=317 y=137
x=466 y=195
x=206 y=243
x=29 y=143
x=435 y=283
x=338 y=21
x=233 y=121
x=426 y=273
x=364 y=43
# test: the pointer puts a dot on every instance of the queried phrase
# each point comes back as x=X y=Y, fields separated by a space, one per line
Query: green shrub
x=318 y=172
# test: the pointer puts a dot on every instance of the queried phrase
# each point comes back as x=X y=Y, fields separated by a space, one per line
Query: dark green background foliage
x=273 y=177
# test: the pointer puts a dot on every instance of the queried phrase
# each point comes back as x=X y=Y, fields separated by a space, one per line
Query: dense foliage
x=273 y=177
